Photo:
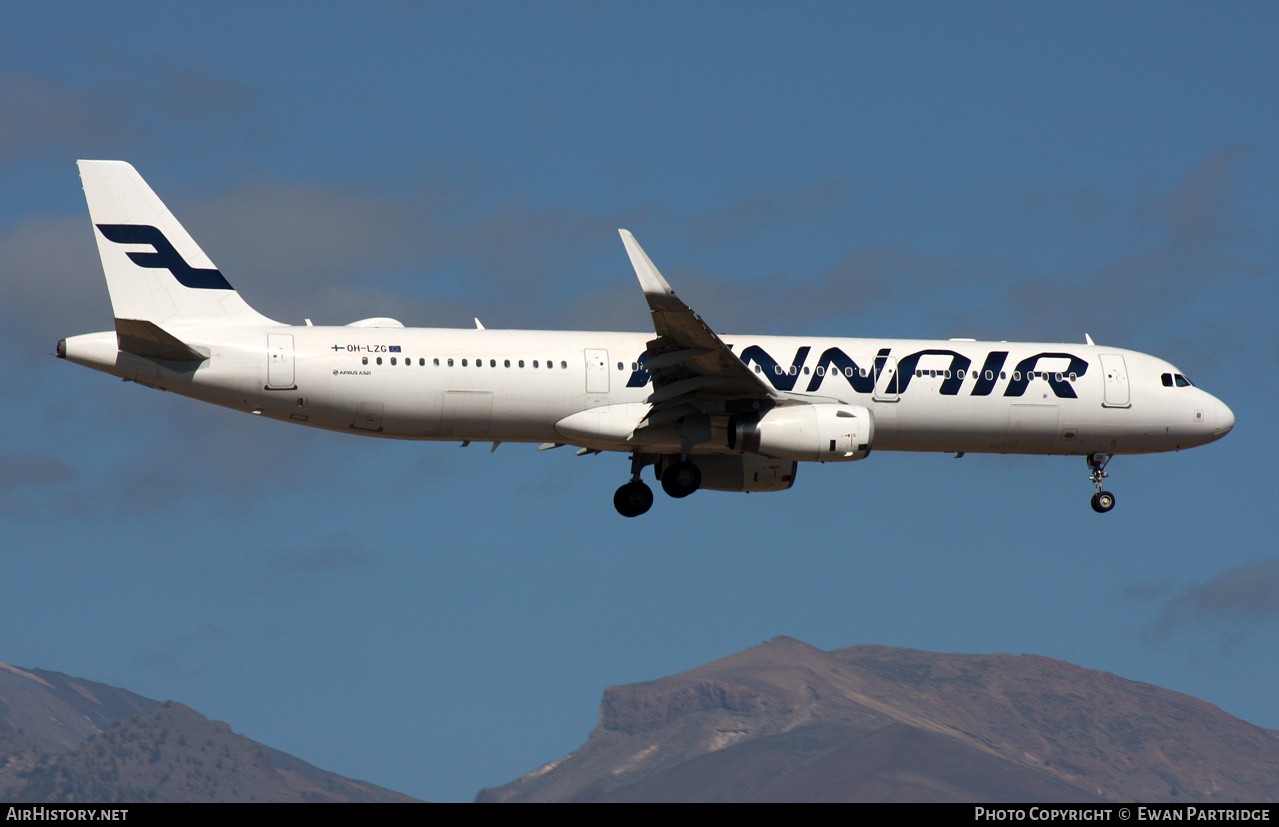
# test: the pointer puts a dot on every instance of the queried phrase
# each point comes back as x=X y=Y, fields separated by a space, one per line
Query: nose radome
x=1225 y=419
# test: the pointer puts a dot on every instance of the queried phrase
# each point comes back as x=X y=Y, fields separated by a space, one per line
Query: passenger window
x=450 y=362
x=463 y=363
x=364 y=360
x=534 y=363
x=521 y=363
x=393 y=360
x=379 y=360
x=507 y=363
x=564 y=365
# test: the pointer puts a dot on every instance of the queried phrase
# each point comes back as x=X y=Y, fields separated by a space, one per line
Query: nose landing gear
x=1102 y=501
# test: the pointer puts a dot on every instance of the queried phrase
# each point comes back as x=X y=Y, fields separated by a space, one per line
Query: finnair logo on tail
x=165 y=256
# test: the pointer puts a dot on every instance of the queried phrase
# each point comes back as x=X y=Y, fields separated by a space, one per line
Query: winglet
x=651 y=281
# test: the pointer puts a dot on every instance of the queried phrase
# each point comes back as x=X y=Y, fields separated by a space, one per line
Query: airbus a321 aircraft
x=729 y=413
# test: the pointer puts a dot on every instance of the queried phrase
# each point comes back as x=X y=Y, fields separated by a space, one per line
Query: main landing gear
x=633 y=499
x=679 y=479
x=1102 y=501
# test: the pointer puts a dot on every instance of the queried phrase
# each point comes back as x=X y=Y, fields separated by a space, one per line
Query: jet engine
x=811 y=433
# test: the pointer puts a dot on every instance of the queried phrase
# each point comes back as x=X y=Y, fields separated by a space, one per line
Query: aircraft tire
x=1103 y=501
x=681 y=479
x=633 y=499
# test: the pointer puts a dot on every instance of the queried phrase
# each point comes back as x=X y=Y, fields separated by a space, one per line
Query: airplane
x=712 y=411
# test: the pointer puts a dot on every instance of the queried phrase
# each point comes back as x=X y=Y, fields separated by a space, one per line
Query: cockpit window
x=1170 y=379
x=1182 y=382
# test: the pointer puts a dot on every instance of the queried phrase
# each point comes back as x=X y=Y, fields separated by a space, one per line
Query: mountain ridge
x=779 y=721
x=66 y=739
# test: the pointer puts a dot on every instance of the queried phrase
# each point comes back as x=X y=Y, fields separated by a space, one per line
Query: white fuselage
x=521 y=386
x=727 y=413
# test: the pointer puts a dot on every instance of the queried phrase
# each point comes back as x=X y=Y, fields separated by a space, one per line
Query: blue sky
x=437 y=619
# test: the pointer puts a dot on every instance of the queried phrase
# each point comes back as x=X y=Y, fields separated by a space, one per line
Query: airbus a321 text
x=729 y=413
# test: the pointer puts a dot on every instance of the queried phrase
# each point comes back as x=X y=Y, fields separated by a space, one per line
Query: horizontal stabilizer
x=150 y=340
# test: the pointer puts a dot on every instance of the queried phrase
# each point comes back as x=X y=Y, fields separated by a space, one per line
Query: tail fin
x=155 y=271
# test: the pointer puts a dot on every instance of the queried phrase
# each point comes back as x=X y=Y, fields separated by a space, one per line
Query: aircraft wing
x=693 y=370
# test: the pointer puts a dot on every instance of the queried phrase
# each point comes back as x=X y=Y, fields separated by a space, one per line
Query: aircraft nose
x=1225 y=419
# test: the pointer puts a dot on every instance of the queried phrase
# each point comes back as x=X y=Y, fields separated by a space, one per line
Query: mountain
x=784 y=721
x=65 y=739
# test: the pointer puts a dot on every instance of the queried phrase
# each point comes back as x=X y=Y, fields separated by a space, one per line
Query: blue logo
x=165 y=256
x=834 y=361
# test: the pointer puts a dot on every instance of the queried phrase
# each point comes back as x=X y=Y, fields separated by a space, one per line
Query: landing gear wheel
x=681 y=479
x=1102 y=501
x=633 y=499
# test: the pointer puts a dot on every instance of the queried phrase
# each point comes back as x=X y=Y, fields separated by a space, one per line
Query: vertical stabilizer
x=155 y=271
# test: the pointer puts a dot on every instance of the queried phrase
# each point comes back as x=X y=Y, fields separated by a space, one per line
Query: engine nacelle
x=811 y=433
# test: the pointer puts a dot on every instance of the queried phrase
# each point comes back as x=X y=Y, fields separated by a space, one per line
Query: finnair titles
x=727 y=413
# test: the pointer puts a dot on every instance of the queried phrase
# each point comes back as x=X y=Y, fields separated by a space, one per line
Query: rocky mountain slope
x=64 y=739
x=785 y=721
